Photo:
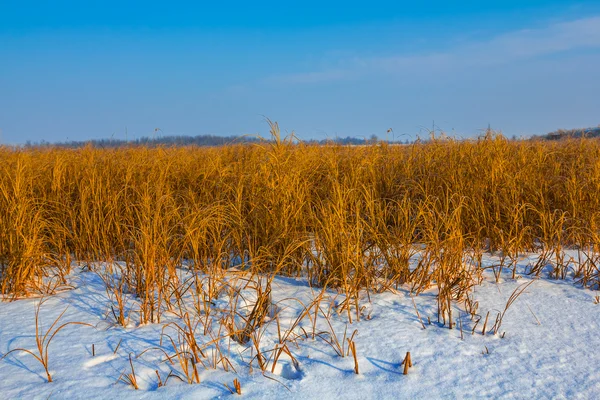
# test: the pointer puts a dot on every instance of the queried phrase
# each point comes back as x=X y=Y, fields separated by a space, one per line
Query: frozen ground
x=549 y=348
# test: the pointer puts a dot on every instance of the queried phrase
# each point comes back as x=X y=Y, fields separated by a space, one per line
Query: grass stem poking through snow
x=43 y=339
x=407 y=363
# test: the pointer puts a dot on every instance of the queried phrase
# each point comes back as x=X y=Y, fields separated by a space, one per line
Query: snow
x=546 y=347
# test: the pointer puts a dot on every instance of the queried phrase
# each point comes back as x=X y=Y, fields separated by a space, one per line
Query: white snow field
x=546 y=346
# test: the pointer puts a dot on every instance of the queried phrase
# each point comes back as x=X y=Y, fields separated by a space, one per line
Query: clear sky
x=75 y=70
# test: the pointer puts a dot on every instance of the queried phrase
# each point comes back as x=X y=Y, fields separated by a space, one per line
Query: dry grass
x=407 y=362
x=44 y=338
x=347 y=218
x=131 y=379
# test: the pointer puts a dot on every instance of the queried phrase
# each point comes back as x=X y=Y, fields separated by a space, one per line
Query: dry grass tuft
x=43 y=339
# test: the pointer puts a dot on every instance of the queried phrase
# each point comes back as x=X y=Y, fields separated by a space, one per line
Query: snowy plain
x=546 y=347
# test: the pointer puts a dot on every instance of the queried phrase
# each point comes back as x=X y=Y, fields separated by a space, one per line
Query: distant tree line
x=213 y=140
x=200 y=140
x=573 y=133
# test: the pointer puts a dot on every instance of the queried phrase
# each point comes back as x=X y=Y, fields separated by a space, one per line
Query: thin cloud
x=529 y=43
x=315 y=77
x=505 y=48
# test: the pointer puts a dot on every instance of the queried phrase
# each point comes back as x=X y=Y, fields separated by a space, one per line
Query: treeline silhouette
x=572 y=133
x=213 y=140
x=200 y=140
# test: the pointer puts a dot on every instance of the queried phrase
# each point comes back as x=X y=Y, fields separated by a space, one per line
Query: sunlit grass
x=345 y=217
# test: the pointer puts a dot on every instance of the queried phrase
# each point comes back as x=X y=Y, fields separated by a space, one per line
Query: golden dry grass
x=345 y=217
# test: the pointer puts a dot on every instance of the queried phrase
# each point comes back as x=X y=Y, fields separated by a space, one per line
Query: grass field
x=192 y=239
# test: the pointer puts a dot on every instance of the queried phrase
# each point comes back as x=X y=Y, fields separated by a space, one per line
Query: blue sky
x=74 y=70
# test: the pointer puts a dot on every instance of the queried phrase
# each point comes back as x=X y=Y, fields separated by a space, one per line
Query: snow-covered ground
x=548 y=349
